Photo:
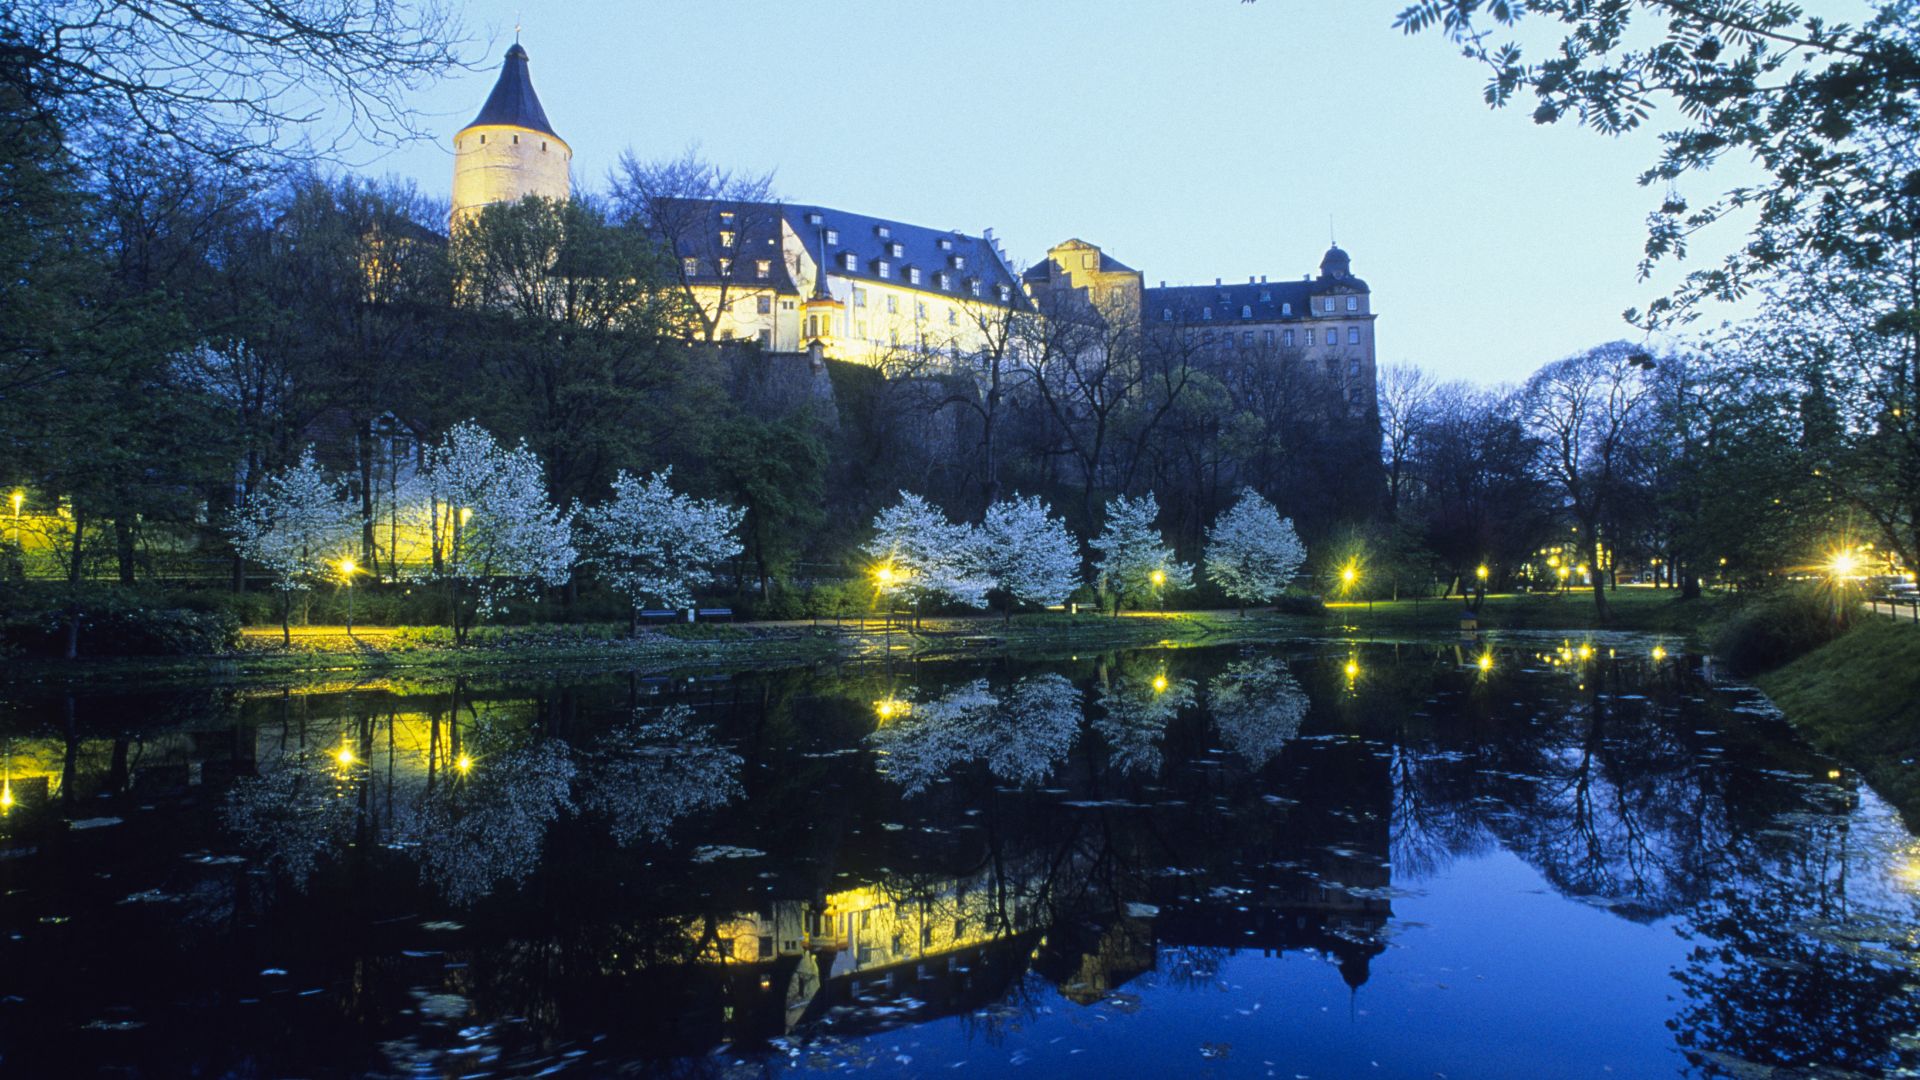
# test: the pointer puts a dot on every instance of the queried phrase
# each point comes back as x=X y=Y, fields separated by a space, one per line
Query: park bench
x=716 y=613
x=659 y=615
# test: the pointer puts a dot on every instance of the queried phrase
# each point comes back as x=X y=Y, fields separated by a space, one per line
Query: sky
x=1191 y=139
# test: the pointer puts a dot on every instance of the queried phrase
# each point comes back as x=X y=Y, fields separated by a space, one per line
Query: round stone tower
x=510 y=151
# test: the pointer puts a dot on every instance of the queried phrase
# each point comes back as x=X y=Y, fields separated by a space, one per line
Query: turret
x=510 y=151
x=1335 y=265
x=821 y=309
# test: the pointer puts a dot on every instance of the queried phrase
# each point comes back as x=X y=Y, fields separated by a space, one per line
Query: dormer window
x=946 y=281
x=882 y=231
x=896 y=250
x=1286 y=309
x=762 y=269
x=726 y=239
x=1246 y=311
x=848 y=262
x=959 y=262
x=814 y=219
x=690 y=267
x=1328 y=308
x=973 y=286
x=946 y=244
x=883 y=268
x=1166 y=314
x=833 y=236
x=726 y=267
x=1006 y=293
x=1206 y=313
x=726 y=217
x=913 y=275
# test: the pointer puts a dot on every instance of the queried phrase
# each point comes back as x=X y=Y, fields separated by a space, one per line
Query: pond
x=1543 y=858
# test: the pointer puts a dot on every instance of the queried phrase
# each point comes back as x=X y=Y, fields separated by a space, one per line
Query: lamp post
x=347 y=568
x=1159 y=579
x=1480 y=574
x=17 y=498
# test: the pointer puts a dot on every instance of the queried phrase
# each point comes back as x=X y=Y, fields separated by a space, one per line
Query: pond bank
x=1858 y=698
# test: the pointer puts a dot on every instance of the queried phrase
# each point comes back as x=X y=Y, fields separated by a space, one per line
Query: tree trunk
x=286 y=617
x=123 y=549
x=369 y=542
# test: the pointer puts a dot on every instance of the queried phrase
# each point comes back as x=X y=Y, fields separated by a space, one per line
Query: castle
x=797 y=278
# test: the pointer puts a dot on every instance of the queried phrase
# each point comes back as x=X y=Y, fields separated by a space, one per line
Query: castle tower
x=510 y=151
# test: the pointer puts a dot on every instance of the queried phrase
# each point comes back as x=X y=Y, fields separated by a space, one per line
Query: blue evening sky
x=1191 y=139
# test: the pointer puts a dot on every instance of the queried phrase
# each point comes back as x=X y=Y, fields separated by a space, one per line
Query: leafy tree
x=1134 y=560
x=1029 y=554
x=776 y=471
x=1253 y=552
x=495 y=533
x=923 y=556
x=1828 y=110
x=655 y=545
x=295 y=525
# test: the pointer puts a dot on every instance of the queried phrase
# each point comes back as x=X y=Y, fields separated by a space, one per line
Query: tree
x=1829 y=111
x=1253 y=552
x=293 y=524
x=923 y=556
x=655 y=545
x=706 y=219
x=1134 y=560
x=1029 y=554
x=494 y=530
x=1586 y=413
x=232 y=78
x=775 y=470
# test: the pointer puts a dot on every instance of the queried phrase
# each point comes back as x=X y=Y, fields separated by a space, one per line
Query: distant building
x=795 y=277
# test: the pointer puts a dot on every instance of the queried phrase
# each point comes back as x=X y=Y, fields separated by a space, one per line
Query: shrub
x=1299 y=603
x=118 y=623
x=1776 y=629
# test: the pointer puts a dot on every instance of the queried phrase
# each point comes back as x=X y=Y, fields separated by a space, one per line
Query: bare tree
x=721 y=227
x=1406 y=395
x=232 y=78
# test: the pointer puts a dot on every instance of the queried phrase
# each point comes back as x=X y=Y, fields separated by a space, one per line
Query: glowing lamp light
x=1480 y=571
x=1659 y=653
x=6 y=796
x=466 y=514
x=1159 y=684
x=1159 y=578
x=888 y=708
x=1347 y=575
x=1563 y=573
x=16 y=499
x=884 y=575
x=1353 y=667
x=464 y=764
x=344 y=755
x=1485 y=663
x=1586 y=652
x=1844 y=563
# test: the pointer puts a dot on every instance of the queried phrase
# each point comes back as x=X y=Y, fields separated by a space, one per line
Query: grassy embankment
x=331 y=650
x=1858 y=698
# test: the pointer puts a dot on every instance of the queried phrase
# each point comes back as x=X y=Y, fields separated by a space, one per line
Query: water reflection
x=511 y=876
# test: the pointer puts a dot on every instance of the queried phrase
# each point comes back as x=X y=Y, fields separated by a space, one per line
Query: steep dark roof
x=513 y=102
x=1266 y=299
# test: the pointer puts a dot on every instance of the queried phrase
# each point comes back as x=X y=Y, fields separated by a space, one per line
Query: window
x=516 y=140
x=1309 y=337
x=893 y=305
x=1206 y=338
x=814 y=219
x=1286 y=339
x=1328 y=307
x=765 y=305
x=860 y=328
x=786 y=305
x=726 y=267
x=953 y=317
x=833 y=236
x=945 y=281
x=1006 y=293
x=920 y=309
x=847 y=261
x=766 y=948
x=1086 y=262
x=543 y=146
x=483 y=140
x=913 y=275
x=946 y=244
x=762 y=269
x=1267 y=340
x=959 y=262
x=1353 y=335
x=1353 y=367
x=882 y=231
x=973 y=286
x=1353 y=303
x=766 y=339
x=896 y=250
x=859 y=296
x=1206 y=313
x=1266 y=297
x=886 y=271
x=1246 y=339
x=726 y=238
x=1166 y=314
x=1246 y=311
x=1286 y=309
x=690 y=267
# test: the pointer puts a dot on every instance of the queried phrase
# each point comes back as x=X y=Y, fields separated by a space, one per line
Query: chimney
x=1216 y=281
x=1263 y=279
x=1163 y=283
x=1249 y=279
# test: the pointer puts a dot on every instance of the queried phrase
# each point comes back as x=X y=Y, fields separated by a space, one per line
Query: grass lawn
x=1633 y=608
x=1858 y=698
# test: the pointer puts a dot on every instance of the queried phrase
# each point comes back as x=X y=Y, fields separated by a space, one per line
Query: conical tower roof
x=513 y=102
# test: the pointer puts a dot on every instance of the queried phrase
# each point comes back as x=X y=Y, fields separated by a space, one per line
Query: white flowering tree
x=655 y=545
x=923 y=556
x=1253 y=552
x=495 y=532
x=295 y=524
x=1028 y=553
x=1135 y=561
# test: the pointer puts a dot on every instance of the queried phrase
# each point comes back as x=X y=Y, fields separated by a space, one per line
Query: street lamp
x=1159 y=579
x=347 y=567
x=17 y=498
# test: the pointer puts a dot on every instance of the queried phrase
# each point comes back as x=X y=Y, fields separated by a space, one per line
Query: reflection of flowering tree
x=655 y=769
x=292 y=813
x=1137 y=712
x=490 y=827
x=1023 y=734
x=1257 y=706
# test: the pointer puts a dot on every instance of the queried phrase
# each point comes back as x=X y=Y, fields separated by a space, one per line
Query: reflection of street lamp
x=1485 y=662
x=1159 y=684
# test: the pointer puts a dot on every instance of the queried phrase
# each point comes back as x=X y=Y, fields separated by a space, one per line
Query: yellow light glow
x=1352 y=668
x=1159 y=577
x=1553 y=560
x=1563 y=573
x=347 y=567
x=1659 y=653
x=884 y=575
x=889 y=708
x=344 y=755
x=1159 y=684
x=1347 y=575
x=6 y=796
x=463 y=763
x=1485 y=662
x=466 y=514
x=1586 y=652
x=1583 y=569
x=17 y=498
x=1480 y=571
x=1844 y=563
x=1833 y=774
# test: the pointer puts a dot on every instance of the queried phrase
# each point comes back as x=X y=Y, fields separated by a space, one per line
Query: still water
x=1321 y=860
